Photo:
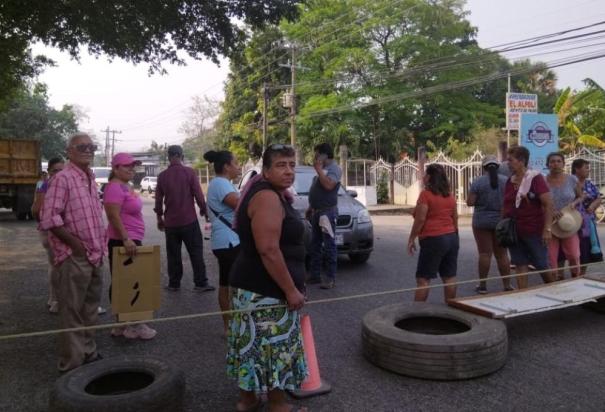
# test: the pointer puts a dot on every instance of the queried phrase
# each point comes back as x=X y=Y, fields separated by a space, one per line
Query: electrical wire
x=453 y=85
x=429 y=64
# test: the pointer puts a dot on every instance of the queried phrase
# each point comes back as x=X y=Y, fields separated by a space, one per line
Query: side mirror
x=352 y=193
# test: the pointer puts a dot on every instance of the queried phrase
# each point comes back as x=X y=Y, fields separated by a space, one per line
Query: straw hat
x=568 y=224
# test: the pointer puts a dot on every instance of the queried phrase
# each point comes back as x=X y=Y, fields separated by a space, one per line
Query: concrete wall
x=365 y=194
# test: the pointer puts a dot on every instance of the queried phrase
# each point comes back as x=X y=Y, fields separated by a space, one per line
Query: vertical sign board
x=135 y=283
x=516 y=104
x=539 y=133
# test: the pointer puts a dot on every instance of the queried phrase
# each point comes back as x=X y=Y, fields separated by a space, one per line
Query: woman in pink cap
x=126 y=225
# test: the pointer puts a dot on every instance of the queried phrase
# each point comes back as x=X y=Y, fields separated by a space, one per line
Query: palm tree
x=571 y=108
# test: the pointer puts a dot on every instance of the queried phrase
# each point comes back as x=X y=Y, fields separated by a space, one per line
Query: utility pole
x=293 y=107
x=113 y=141
x=508 y=128
x=265 y=122
x=292 y=100
x=110 y=144
x=106 y=145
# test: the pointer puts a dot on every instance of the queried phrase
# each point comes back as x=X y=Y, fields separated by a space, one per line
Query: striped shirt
x=72 y=201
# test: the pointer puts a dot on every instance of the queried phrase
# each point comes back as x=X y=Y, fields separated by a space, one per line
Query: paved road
x=555 y=360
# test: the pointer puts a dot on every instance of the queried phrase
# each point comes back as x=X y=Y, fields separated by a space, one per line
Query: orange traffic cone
x=313 y=385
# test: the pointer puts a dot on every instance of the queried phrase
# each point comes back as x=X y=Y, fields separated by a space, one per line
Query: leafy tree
x=483 y=139
x=581 y=119
x=150 y=32
x=16 y=72
x=403 y=55
x=240 y=122
x=199 y=128
x=29 y=116
x=380 y=57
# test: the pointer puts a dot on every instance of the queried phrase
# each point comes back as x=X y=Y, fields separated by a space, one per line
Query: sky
x=124 y=97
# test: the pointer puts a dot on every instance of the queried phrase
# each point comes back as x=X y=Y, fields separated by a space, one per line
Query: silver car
x=354 y=229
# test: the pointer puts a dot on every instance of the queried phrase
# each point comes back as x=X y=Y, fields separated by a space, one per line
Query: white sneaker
x=130 y=332
x=101 y=310
x=145 y=332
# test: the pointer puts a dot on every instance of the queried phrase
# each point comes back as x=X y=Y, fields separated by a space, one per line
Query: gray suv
x=354 y=230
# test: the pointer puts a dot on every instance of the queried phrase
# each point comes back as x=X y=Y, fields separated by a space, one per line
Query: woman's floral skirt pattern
x=265 y=345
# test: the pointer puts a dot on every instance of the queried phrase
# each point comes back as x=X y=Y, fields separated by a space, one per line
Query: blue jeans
x=323 y=246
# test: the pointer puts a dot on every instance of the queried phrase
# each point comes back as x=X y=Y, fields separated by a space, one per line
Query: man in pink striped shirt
x=73 y=215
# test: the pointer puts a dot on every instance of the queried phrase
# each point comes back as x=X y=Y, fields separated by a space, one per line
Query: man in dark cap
x=177 y=189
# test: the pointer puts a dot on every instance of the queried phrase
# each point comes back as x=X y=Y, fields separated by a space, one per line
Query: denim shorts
x=438 y=254
x=529 y=250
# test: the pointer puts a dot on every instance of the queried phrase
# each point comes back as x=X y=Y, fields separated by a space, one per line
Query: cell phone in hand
x=321 y=157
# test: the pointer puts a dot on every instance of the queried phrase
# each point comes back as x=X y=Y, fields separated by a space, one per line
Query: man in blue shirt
x=322 y=212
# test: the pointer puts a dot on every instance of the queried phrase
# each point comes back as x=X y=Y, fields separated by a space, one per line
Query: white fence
x=403 y=177
x=597 y=164
x=371 y=178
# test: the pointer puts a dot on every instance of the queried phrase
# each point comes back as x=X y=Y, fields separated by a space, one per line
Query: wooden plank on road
x=557 y=295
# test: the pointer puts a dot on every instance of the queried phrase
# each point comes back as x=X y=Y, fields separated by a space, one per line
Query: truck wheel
x=359 y=257
x=433 y=342
x=120 y=385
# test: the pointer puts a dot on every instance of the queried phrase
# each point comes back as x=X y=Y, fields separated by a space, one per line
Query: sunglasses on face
x=53 y=171
x=83 y=148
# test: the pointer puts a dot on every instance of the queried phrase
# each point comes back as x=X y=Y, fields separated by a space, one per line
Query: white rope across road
x=312 y=302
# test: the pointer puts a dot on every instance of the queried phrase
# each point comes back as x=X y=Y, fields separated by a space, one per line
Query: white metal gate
x=460 y=175
x=597 y=164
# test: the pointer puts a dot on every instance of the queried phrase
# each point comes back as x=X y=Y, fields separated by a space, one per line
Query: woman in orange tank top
x=436 y=227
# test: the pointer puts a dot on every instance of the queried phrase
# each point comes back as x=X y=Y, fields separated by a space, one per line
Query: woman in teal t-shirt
x=222 y=200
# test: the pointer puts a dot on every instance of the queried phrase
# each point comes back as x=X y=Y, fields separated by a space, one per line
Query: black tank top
x=248 y=271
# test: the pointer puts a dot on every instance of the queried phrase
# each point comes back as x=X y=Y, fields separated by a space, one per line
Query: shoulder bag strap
x=221 y=218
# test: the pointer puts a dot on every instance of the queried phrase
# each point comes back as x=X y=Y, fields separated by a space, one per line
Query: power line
x=248 y=82
x=454 y=85
x=443 y=64
x=488 y=59
x=110 y=144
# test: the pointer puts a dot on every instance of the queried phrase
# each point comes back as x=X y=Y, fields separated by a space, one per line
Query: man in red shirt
x=72 y=213
x=177 y=189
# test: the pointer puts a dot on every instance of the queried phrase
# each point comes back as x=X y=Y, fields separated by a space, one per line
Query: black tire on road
x=124 y=384
x=359 y=257
x=433 y=341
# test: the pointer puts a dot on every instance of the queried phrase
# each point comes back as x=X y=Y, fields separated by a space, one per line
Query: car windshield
x=153 y=179
x=101 y=173
x=302 y=184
